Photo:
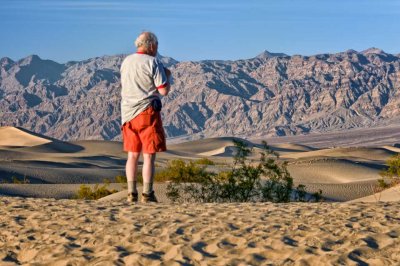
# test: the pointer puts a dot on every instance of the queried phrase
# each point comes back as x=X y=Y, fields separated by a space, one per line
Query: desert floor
x=41 y=224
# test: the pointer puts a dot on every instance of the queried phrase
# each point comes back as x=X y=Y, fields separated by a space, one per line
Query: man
x=143 y=80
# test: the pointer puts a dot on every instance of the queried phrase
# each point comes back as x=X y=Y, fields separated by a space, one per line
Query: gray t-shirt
x=141 y=76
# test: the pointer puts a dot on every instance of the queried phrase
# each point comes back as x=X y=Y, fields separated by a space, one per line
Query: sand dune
x=18 y=137
x=289 y=148
x=360 y=153
x=337 y=171
x=53 y=147
x=206 y=145
x=395 y=149
x=99 y=147
x=391 y=194
x=225 y=151
x=215 y=147
x=332 y=171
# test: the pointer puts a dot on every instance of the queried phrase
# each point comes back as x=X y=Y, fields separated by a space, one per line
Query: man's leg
x=131 y=171
x=148 y=172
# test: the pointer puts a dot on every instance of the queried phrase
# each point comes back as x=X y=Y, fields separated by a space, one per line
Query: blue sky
x=195 y=30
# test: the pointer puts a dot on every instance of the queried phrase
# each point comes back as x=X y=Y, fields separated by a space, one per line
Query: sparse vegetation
x=87 y=193
x=178 y=168
x=120 y=179
x=301 y=193
x=160 y=176
x=393 y=170
x=204 y=161
x=390 y=176
x=269 y=180
x=16 y=180
x=317 y=196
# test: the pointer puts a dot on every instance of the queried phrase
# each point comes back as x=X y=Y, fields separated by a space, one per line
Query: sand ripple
x=61 y=232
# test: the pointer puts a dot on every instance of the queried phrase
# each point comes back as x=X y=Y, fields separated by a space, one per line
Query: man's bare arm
x=165 y=91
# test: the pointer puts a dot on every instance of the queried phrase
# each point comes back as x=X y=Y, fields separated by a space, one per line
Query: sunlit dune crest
x=18 y=137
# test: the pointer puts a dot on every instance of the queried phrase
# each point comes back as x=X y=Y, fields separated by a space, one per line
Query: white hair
x=145 y=39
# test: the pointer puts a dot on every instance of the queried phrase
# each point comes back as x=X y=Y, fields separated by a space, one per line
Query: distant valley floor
x=344 y=165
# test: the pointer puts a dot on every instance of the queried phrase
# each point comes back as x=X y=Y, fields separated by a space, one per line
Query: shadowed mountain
x=266 y=54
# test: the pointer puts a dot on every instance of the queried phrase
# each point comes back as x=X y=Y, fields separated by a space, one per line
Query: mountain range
x=272 y=94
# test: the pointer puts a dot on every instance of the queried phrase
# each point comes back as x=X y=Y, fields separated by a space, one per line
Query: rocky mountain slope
x=271 y=94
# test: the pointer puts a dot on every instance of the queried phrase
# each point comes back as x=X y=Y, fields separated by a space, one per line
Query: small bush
x=87 y=193
x=393 y=170
x=120 y=179
x=179 y=170
x=268 y=181
x=15 y=180
x=174 y=168
x=204 y=161
x=123 y=180
x=392 y=173
x=160 y=176
x=318 y=196
x=382 y=184
x=301 y=193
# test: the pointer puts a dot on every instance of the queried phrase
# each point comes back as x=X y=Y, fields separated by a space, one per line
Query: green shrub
x=382 y=184
x=279 y=185
x=317 y=196
x=204 y=161
x=301 y=193
x=393 y=170
x=179 y=170
x=268 y=181
x=392 y=173
x=87 y=193
x=123 y=180
x=15 y=180
x=120 y=179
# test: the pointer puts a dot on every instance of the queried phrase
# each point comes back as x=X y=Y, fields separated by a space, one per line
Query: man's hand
x=164 y=91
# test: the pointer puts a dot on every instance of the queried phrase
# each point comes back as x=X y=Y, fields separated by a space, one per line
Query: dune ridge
x=16 y=137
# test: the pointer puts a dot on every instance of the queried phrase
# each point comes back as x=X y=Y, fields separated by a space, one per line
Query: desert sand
x=41 y=224
x=66 y=232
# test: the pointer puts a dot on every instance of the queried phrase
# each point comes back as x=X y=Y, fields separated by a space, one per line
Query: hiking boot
x=133 y=197
x=151 y=197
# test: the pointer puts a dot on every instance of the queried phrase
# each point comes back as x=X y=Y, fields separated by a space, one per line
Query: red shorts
x=144 y=133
